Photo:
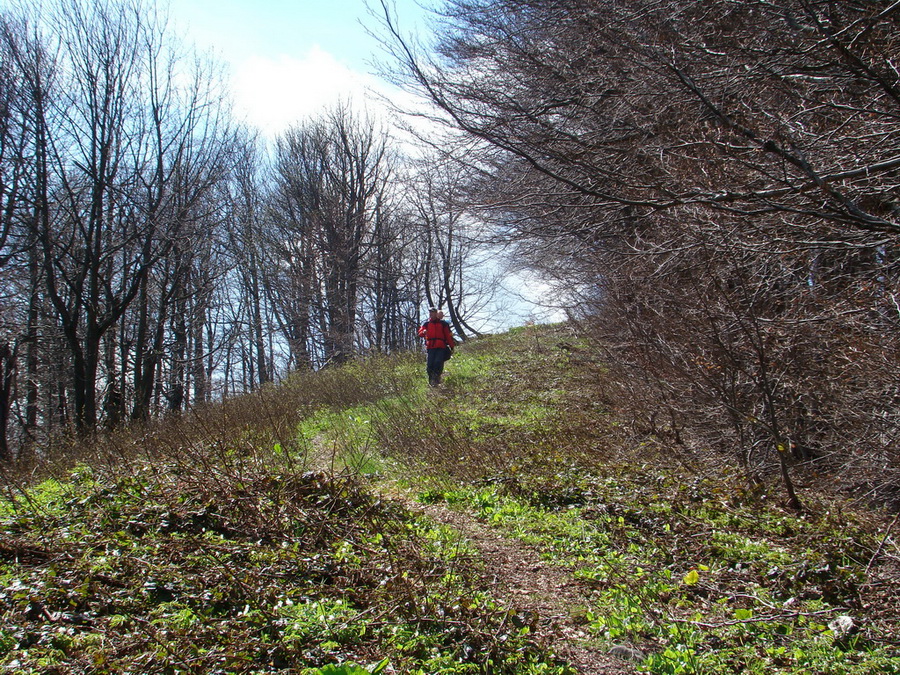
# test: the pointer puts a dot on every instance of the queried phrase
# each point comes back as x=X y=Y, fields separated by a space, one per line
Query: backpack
x=434 y=332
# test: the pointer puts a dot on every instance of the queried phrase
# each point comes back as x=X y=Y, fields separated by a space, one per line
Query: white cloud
x=273 y=94
x=528 y=297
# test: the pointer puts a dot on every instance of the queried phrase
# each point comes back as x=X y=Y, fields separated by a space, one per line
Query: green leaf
x=348 y=669
x=691 y=578
x=352 y=669
x=743 y=614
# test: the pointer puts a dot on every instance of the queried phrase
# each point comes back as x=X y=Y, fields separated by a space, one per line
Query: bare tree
x=332 y=175
x=720 y=177
x=246 y=242
x=392 y=290
x=456 y=254
x=121 y=136
x=25 y=85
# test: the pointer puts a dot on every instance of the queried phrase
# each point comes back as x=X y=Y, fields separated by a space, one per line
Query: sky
x=289 y=59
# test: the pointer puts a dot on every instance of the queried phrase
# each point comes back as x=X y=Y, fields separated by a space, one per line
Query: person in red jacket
x=439 y=343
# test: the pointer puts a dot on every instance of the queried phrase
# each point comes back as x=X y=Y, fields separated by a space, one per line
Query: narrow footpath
x=517 y=574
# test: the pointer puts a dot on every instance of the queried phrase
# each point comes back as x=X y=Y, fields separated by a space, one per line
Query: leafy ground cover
x=284 y=545
x=691 y=568
x=174 y=571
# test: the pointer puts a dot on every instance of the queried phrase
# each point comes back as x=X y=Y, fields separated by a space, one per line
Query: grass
x=694 y=599
x=261 y=536
x=258 y=572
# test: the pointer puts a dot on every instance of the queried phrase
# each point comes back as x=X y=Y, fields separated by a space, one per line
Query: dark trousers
x=435 y=364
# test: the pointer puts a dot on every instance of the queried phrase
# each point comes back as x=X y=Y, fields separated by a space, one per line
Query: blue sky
x=288 y=59
x=273 y=28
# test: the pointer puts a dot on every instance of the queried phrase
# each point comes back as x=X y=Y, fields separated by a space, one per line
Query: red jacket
x=437 y=334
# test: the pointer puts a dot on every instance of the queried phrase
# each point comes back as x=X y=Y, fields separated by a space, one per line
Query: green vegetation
x=301 y=556
x=257 y=572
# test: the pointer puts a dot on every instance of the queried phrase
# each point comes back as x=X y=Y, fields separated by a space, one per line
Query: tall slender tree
x=332 y=175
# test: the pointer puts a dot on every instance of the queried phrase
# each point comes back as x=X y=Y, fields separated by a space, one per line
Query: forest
x=716 y=182
x=157 y=254
x=712 y=186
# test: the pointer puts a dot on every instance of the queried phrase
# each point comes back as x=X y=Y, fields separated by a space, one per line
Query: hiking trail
x=517 y=575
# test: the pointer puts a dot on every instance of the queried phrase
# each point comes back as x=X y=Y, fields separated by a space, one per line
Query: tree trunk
x=7 y=383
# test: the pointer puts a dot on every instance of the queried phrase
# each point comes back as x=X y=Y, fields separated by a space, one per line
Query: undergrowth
x=682 y=561
x=261 y=536
x=168 y=570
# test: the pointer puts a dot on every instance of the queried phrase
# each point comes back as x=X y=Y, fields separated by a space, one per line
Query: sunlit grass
x=268 y=523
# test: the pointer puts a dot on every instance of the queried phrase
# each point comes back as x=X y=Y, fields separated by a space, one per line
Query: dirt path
x=518 y=575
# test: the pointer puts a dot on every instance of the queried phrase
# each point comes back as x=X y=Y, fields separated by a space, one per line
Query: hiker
x=439 y=343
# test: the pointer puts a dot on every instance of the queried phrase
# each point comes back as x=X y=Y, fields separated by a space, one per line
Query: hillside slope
x=357 y=516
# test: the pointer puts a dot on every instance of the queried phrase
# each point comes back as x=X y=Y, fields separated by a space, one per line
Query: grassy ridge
x=684 y=562
x=256 y=537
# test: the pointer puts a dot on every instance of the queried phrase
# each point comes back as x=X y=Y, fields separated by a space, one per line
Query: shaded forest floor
x=510 y=521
